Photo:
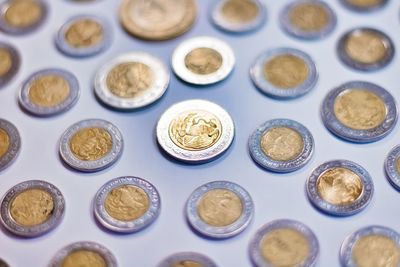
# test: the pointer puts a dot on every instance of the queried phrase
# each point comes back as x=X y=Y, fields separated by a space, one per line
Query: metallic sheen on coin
x=187 y=259
x=364 y=5
x=10 y=143
x=392 y=167
x=10 y=61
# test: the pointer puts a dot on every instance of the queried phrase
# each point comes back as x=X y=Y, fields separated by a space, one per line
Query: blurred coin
x=3 y=263
x=10 y=61
x=10 y=143
x=364 y=5
x=189 y=259
x=392 y=167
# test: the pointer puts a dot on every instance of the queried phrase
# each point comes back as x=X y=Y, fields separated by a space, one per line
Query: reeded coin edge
x=391 y=169
x=185 y=256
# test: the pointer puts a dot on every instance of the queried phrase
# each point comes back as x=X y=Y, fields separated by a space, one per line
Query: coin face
x=187 y=259
x=364 y=5
x=132 y=81
x=10 y=62
x=195 y=131
x=392 y=167
x=203 y=60
x=157 y=19
x=10 y=143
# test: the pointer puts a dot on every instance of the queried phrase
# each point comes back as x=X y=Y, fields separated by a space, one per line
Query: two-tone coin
x=195 y=131
x=193 y=259
x=91 y=145
x=284 y=243
x=49 y=92
x=10 y=143
x=132 y=81
x=32 y=208
x=284 y=73
x=281 y=145
x=364 y=5
x=340 y=188
x=371 y=246
x=392 y=167
x=10 y=61
x=203 y=60
x=83 y=253
x=359 y=111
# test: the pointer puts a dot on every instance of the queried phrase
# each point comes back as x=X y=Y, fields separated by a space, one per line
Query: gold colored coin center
x=203 y=61
x=397 y=164
x=309 y=17
x=84 y=33
x=364 y=3
x=366 y=47
x=5 y=61
x=23 y=13
x=188 y=263
x=49 y=91
x=282 y=143
x=84 y=258
x=239 y=11
x=4 y=142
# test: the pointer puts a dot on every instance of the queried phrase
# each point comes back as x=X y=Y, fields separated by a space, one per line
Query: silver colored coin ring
x=96 y=165
x=68 y=103
x=359 y=136
x=32 y=231
x=346 y=250
x=392 y=173
x=155 y=92
x=264 y=161
x=224 y=142
x=187 y=256
x=340 y=210
x=254 y=247
x=364 y=9
x=225 y=231
x=15 y=144
x=15 y=63
x=179 y=54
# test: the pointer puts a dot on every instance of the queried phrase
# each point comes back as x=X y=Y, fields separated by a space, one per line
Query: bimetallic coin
x=91 y=145
x=157 y=20
x=308 y=19
x=49 y=92
x=10 y=143
x=372 y=246
x=364 y=5
x=132 y=81
x=281 y=145
x=340 y=188
x=359 y=112
x=10 y=61
x=284 y=243
x=84 y=253
x=365 y=49
x=195 y=131
x=284 y=73
x=32 y=208
x=203 y=60
x=392 y=167
x=187 y=259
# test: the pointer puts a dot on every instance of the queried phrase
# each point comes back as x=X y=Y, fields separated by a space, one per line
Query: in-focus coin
x=308 y=19
x=238 y=15
x=340 y=188
x=187 y=259
x=132 y=81
x=10 y=143
x=281 y=145
x=203 y=60
x=219 y=209
x=371 y=246
x=84 y=253
x=365 y=49
x=195 y=131
x=364 y=5
x=22 y=16
x=359 y=112
x=284 y=243
x=91 y=145
x=157 y=20
x=84 y=35
x=392 y=167
x=284 y=73
x=10 y=62
x=32 y=208
x=49 y=92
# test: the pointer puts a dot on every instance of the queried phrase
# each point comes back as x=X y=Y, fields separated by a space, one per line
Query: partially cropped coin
x=91 y=145
x=340 y=188
x=284 y=73
x=366 y=49
x=371 y=246
x=32 y=208
x=364 y=5
x=187 y=259
x=10 y=61
x=84 y=253
x=83 y=36
x=22 y=16
x=359 y=112
x=3 y=263
x=195 y=131
x=10 y=143
x=284 y=243
x=131 y=81
x=49 y=92
x=157 y=19
x=392 y=167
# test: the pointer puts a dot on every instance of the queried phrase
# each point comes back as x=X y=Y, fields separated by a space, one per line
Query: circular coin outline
x=3 y=263
x=392 y=173
x=15 y=144
x=364 y=9
x=15 y=63
x=36 y=230
x=187 y=256
x=359 y=136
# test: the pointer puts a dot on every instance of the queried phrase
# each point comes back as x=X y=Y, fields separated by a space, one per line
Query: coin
x=203 y=60
x=359 y=112
x=365 y=49
x=364 y=5
x=3 y=263
x=340 y=188
x=187 y=259
x=22 y=16
x=284 y=243
x=157 y=20
x=281 y=145
x=84 y=253
x=10 y=61
x=10 y=143
x=132 y=81
x=238 y=15
x=392 y=167
x=308 y=19
x=49 y=92
x=91 y=145
x=370 y=247
x=284 y=73
x=195 y=131
x=32 y=208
